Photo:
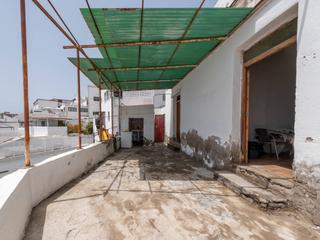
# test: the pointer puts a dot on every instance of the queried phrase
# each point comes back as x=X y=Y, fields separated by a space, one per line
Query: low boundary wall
x=22 y=190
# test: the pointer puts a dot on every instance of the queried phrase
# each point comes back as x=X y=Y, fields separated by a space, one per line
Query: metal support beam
x=63 y=22
x=119 y=114
x=144 y=89
x=140 y=39
x=184 y=34
x=112 y=117
x=144 y=68
x=149 y=81
x=27 y=161
x=100 y=112
x=79 y=99
x=46 y=13
x=100 y=35
x=147 y=43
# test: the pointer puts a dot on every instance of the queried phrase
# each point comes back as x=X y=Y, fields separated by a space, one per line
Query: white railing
x=36 y=131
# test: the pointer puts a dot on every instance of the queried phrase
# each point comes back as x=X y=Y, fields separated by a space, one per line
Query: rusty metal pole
x=119 y=114
x=27 y=161
x=100 y=112
x=112 y=117
x=79 y=99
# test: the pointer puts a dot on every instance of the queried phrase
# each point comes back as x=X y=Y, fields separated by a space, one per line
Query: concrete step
x=252 y=192
x=274 y=183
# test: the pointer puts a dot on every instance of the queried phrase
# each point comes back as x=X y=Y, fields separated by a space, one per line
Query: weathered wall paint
x=214 y=153
x=211 y=96
x=307 y=124
x=211 y=93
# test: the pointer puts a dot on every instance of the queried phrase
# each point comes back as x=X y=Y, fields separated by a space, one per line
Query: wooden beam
x=245 y=115
x=147 y=43
x=144 y=68
x=271 y=51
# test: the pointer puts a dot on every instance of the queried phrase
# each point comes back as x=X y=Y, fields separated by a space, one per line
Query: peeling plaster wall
x=214 y=153
x=211 y=93
x=307 y=124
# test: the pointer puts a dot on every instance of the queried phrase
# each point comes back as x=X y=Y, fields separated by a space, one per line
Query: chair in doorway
x=266 y=138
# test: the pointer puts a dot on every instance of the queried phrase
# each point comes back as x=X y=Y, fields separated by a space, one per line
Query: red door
x=159 y=128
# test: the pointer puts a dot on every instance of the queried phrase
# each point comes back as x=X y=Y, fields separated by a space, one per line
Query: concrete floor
x=155 y=193
x=276 y=168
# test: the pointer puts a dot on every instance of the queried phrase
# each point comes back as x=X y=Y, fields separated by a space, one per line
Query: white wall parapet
x=24 y=189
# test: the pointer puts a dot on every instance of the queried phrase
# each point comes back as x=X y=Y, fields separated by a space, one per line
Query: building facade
x=262 y=77
x=58 y=112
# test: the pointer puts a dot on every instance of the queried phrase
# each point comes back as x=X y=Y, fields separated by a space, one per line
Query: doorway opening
x=268 y=103
x=136 y=127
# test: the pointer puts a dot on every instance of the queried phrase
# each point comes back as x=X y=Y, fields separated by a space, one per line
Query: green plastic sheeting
x=123 y=25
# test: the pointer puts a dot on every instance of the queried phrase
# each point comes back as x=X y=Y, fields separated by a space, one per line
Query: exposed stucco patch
x=308 y=174
x=213 y=151
x=306 y=194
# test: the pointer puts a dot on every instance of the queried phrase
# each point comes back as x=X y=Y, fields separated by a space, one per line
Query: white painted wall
x=134 y=98
x=45 y=131
x=44 y=103
x=166 y=110
x=272 y=92
x=8 y=132
x=143 y=111
x=211 y=93
x=307 y=137
x=106 y=108
x=246 y=3
x=25 y=188
x=93 y=106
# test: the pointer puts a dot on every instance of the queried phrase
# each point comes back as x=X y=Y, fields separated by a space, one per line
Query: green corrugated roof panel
x=145 y=75
x=123 y=25
x=151 y=74
x=85 y=65
x=216 y=21
x=192 y=53
x=115 y=25
x=156 y=55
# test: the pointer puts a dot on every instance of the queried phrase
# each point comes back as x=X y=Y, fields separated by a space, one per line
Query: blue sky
x=51 y=75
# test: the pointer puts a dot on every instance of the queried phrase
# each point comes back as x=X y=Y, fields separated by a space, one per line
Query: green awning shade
x=123 y=26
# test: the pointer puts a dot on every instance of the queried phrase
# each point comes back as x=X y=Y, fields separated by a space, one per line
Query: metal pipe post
x=79 y=100
x=112 y=117
x=27 y=161
x=100 y=112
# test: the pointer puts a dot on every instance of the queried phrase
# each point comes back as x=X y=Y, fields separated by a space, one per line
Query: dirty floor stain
x=155 y=193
